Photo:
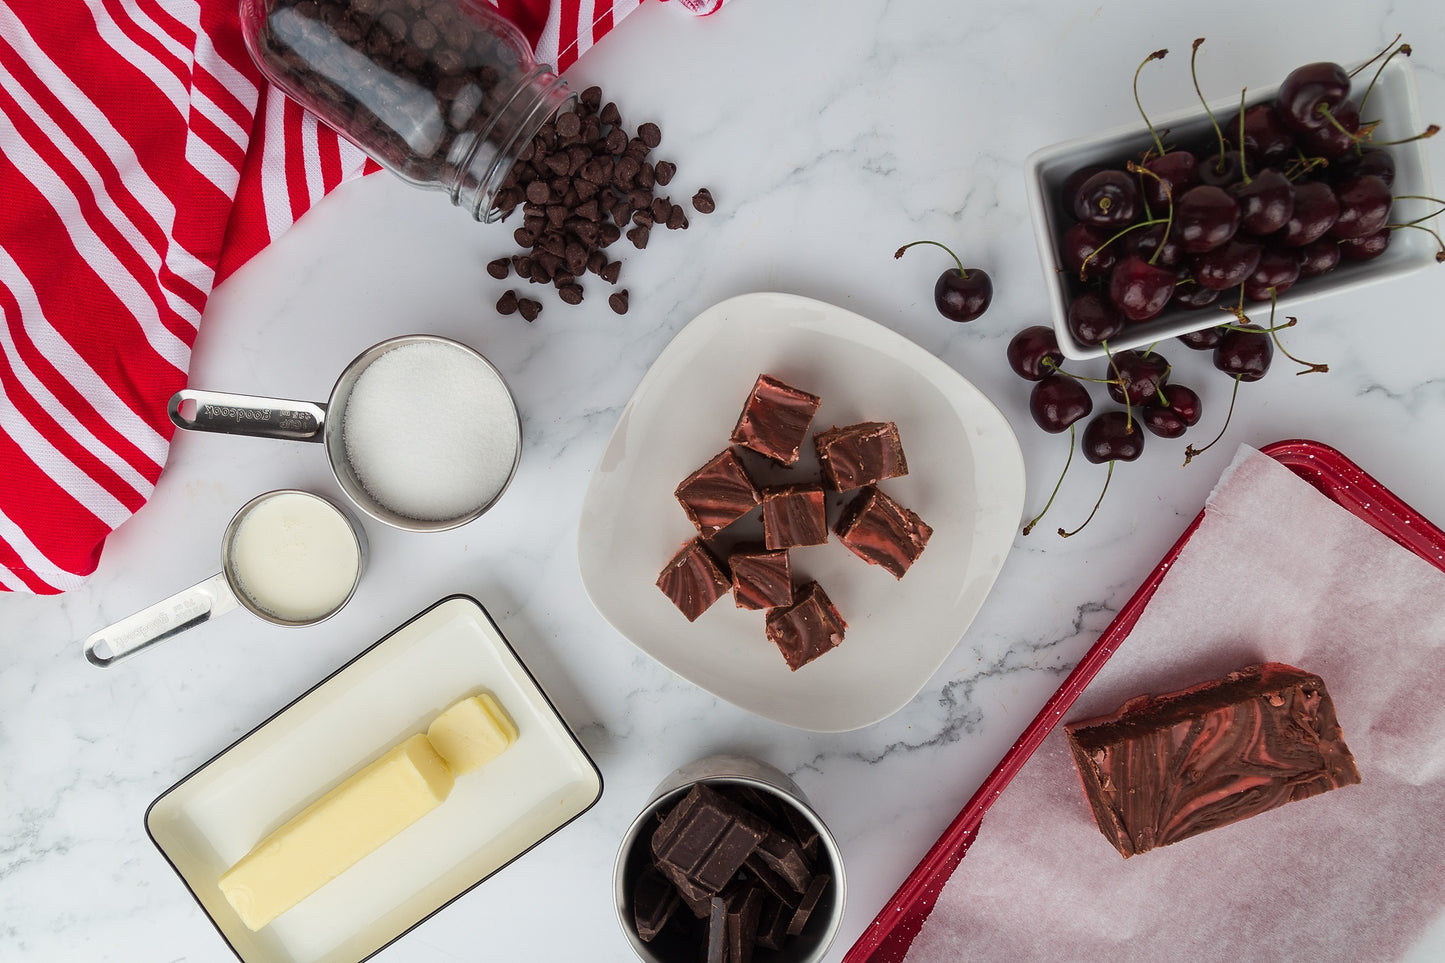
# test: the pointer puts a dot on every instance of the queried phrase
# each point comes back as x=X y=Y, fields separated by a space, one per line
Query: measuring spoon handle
x=248 y=415
x=185 y=610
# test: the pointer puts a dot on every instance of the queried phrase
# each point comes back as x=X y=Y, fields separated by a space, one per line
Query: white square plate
x=395 y=688
x=966 y=480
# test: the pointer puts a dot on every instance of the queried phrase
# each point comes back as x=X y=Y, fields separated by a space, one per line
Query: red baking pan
x=888 y=937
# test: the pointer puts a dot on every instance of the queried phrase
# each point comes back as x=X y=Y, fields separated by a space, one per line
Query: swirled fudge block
x=762 y=579
x=862 y=454
x=808 y=628
x=1164 y=768
x=883 y=532
x=693 y=580
x=794 y=515
x=717 y=494
x=775 y=419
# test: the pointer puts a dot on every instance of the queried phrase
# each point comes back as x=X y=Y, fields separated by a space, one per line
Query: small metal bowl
x=728 y=770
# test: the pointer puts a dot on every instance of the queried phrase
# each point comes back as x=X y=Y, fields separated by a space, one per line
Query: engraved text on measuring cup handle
x=247 y=415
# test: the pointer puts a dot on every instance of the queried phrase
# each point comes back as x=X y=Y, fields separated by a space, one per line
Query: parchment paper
x=1275 y=572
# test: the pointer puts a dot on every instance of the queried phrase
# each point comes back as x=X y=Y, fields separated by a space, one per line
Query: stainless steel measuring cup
x=263 y=417
x=210 y=598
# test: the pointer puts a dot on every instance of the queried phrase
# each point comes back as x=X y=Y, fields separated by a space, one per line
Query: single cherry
x=1034 y=353
x=1175 y=172
x=1070 y=188
x=1310 y=93
x=1204 y=339
x=1335 y=139
x=1146 y=241
x=1179 y=410
x=960 y=294
x=1205 y=217
x=1365 y=248
x=1057 y=401
x=1244 y=351
x=1192 y=295
x=1093 y=319
x=1140 y=290
x=1375 y=161
x=1276 y=273
x=1266 y=201
x=1364 y=206
x=1318 y=257
x=1084 y=252
x=1221 y=169
x=1136 y=376
x=1110 y=198
x=1266 y=139
x=1315 y=209
x=1226 y=266
x=1112 y=436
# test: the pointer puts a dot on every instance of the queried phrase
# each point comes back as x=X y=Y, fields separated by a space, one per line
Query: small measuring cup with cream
x=288 y=556
x=421 y=431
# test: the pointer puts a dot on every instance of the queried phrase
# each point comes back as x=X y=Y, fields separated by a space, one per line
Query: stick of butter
x=330 y=835
x=472 y=733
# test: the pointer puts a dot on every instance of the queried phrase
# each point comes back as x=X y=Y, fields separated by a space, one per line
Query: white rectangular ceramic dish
x=1393 y=102
x=213 y=817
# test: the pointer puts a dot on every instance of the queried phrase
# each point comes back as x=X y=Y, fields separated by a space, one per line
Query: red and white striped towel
x=142 y=161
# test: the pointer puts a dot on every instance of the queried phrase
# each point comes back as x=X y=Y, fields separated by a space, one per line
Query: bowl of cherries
x=1251 y=207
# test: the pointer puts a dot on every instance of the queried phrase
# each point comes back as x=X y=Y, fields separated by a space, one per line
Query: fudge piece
x=717 y=494
x=861 y=454
x=880 y=531
x=794 y=515
x=693 y=579
x=775 y=419
x=761 y=579
x=806 y=629
x=1164 y=768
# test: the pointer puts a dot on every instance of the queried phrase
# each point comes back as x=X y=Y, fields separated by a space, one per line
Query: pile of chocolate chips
x=742 y=861
x=581 y=184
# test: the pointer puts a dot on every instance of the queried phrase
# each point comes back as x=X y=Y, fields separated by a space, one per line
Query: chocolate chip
x=702 y=202
x=638 y=236
x=569 y=126
x=616 y=141
x=661 y=207
x=610 y=114
x=676 y=218
x=650 y=134
x=571 y=293
x=529 y=308
x=664 y=171
x=538 y=193
x=499 y=268
x=642 y=217
x=507 y=303
x=596 y=261
x=610 y=234
x=591 y=97
x=611 y=272
x=524 y=237
x=618 y=301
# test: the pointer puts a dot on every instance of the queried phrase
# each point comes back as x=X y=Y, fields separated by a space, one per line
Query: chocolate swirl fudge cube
x=1164 y=768
x=862 y=454
x=883 y=532
x=717 y=494
x=794 y=515
x=808 y=628
x=693 y=580
x=775 y=419
x=762 y=579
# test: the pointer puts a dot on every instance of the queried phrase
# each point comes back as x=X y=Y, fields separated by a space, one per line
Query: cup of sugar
x=290 y=557
x=421 y=431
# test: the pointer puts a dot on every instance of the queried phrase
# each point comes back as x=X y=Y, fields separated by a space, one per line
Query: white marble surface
x=830 y=134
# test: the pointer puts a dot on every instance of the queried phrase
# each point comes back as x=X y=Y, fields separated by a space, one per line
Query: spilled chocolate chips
x=582 y=184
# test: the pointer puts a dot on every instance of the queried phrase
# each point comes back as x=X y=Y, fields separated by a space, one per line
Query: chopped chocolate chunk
x=808 y=628
x=653 y=903
x=794 y=515
x=703 y=203
x=507 y=303
x=707 y=837
x=499 y=268
x=693 y=580
x=775 y=419
x=861 y=454
x=617 y=301
x=1164 y=768
x=761 y=579
x=809 y=903
x=880 y=531
x=718 y=493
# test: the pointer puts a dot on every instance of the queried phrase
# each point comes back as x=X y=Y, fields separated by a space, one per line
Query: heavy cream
x=295 y=556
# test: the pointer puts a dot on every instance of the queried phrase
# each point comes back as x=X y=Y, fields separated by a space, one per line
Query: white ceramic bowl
x=1393 y=102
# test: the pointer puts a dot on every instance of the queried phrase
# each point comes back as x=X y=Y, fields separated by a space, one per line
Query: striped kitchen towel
x=142 y=160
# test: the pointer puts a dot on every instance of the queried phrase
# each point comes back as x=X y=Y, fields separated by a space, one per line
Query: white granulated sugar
x=430 y=431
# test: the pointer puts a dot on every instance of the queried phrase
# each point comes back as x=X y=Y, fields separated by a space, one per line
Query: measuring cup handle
x=184 y=610
x=248 y=415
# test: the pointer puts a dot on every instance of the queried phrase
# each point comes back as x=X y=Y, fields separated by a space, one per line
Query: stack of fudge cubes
x=800 y=619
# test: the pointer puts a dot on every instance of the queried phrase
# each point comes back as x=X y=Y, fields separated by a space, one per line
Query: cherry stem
x=1057 y=485
x=1302 y=165
x=1428 y=132
x=1384 y=50
x=1243 y=167
x=1440 y=254
x=1049 y=363
x=1124 y=387
x=1134 y=168
x=1273 y=329
x=961 y=272
x=1097 y=503
x=1190 y=451
x=1132 y=227
x=1252 y=328
x=1363 y=133
x=1420 y=220
x=1156 y=55
x=1194 y=75
x=1404 y=48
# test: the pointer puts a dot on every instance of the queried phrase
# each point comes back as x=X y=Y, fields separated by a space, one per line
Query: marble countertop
x=828 y=139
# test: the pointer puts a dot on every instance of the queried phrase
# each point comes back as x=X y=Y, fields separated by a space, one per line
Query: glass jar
x=443 y=93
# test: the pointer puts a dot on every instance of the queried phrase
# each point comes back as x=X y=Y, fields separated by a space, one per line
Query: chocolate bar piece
x=717 y=494
x=1164 y=768
x=761 y=579
x=861 y=454
x=773 y=924
x=809 y=903
x=706 y=838
x=653 y=901
x=794 y=515
x=806 y=629
x=777 y=887
x=785 y=858
x=716 y=948
x=775 y=419
x=693 y=580
x=745 y=906
x=880 y=531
